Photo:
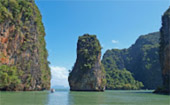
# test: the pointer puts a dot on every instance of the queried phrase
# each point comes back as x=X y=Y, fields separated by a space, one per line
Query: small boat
x=52 y=90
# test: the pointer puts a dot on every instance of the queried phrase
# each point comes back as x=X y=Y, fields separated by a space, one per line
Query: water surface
x=116 y=97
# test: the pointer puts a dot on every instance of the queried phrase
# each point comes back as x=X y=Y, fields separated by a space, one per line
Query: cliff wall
x=23 y=54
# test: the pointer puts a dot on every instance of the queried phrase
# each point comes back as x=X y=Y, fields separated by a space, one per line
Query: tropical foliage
x=25 y=19
x=9 y=77
x=141 y=60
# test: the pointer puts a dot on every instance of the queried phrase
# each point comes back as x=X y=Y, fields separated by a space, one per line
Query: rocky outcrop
x=141 y=60
x=165 y=53
x=23 y=54
x=88 y=73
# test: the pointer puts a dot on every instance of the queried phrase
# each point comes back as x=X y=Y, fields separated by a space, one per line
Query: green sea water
x=65 y=97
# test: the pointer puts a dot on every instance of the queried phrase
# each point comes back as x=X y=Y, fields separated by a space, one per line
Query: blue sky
x=117 y=24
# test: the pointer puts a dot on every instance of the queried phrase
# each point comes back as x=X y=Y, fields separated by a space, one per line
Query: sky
x=117 y=24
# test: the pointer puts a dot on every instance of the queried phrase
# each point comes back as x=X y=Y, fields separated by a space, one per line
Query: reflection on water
x=24 y=98
x=58 y=98
x=86 y=98
x=138 y=97
x=118 y=97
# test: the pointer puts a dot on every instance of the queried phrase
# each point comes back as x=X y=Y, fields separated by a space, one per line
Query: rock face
x=165 y=53
x=118 y=78
x=88 y=73
x=141 y=59
x=23 y=54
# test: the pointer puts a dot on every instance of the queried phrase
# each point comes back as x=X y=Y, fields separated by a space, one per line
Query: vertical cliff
x=165 y=53
x=23 y=54
x=88 y=73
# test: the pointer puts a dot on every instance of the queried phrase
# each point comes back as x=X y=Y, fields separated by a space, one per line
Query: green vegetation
x=117 y=76
x=121 y=79
x=28 y=28
x=104 y=81
x=8 y=77
x=141 y=60
x=88 y=73
x=88 y=50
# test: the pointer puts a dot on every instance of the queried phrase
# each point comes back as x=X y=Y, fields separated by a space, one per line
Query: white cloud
x=115 y=41
x=59 y=76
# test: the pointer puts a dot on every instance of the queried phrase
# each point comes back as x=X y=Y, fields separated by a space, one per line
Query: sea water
x=65 y=97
